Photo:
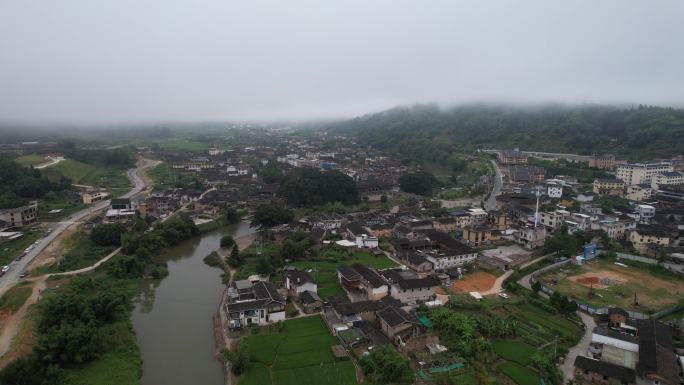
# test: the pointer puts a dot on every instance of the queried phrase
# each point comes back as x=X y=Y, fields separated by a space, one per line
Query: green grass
x=334 y=373
x=15 y=298
x=263 y=347
x=30 y=160
x=82 y=253
x=12 y=249
x=515 y=351
x=519 y=374
x=258 y=374
x=184 y=144
x=325 y=272
x=111 y=178
x=301 y=351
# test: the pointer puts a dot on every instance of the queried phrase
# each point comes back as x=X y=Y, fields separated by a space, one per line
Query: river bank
x=173 y=317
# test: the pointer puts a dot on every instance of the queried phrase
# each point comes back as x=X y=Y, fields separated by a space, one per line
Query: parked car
x=23 y=274
x=504 y=295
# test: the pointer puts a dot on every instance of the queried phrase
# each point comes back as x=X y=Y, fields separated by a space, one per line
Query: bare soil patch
x=477 y=281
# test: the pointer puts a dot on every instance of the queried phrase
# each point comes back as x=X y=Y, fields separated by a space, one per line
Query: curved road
x=568 y=366
x=490 y=204
x=11 y=278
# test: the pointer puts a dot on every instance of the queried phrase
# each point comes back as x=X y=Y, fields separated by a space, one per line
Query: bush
x=227 y=241
x=107 y=234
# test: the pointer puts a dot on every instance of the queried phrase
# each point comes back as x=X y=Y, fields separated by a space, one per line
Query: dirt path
x=11 y=326
x=498 y=284
x=579 y=349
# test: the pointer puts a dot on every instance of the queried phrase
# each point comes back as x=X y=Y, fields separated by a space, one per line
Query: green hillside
x=427 y=133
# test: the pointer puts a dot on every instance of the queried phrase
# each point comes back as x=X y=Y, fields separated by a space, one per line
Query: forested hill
x=429 y=133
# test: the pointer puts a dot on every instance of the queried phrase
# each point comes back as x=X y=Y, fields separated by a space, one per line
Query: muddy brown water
x=173 y=317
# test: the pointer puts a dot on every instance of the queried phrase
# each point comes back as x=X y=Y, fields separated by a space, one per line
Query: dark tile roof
x=356 y=228
x=348 y=273
x=656 y=355
x=368 y=274
x=299 y=277
x=394 y=316
x=343 y=307
x=449 y=243
x=395 y=277
x=309 y=297
x=607 y=369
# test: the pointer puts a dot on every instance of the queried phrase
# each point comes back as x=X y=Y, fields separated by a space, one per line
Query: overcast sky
x=113 y=61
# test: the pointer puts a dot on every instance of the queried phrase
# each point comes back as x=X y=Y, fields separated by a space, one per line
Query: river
x=173 y=318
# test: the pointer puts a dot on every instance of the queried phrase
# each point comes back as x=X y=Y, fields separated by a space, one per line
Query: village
x=391 y=266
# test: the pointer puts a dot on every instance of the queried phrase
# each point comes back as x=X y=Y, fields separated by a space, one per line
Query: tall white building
x=673 y=178
x=641 y=173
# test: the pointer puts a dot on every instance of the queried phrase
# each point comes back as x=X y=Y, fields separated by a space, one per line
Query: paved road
x=51 y=162
x=580 y=349
x=11 y=278
x=490 y=204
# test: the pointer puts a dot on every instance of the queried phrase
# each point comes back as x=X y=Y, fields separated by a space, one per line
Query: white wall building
x=641 y=173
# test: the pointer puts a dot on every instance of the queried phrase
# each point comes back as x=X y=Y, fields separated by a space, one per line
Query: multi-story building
x=640 y=173
x=615 y=187
x=92 y=196
x=614 y=229
x=647 y=239
x=639 y=192
x=512 y=157
x=646 y=213
x=604 y=162
x=255 y=303
x=554 y=190
x=667 y=178
x=553 y=219
x=20 y=216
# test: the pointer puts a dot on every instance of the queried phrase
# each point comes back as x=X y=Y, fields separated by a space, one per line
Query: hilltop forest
x=428 y=133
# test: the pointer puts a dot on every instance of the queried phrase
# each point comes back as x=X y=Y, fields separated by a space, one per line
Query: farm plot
x=301 y=351
x=605 y=284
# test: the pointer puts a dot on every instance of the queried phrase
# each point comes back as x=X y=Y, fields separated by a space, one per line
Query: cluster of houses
x=628 y=351
x=649 y=224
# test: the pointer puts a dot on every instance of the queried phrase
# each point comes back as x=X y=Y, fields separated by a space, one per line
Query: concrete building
x=512 y=157
x=20 y=216
x=604 y=162
x=614 y=229
x=615 y=187
x=477 y=236
x=91 y=196
x=255 y=303
x=641 y=173
x=646 y=213
x=553 y=219
x=673 y=178
x=297 y=282
x=639 y=192
x=409 y=288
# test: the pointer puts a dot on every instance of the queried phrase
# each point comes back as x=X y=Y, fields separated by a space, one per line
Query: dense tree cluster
x=458 y=332
x=420 y=183
x=107 y=234
x=564 y=244
x=70 y=329
x=563 y=304
x=120 y=157
x=384 y=365
x=21 y=184
x=306 y=187
x=271 y=215
x=428 y=133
